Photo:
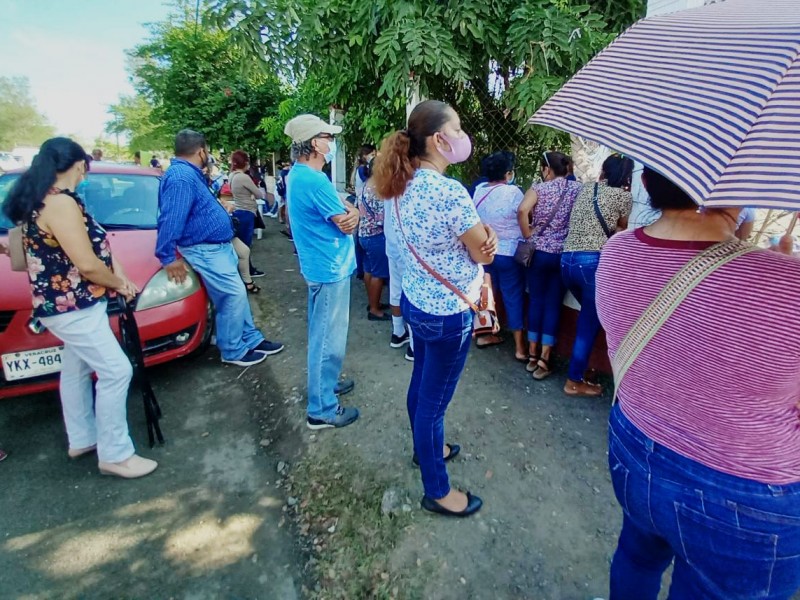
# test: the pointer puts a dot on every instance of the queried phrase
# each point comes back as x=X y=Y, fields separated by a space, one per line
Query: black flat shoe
x=474 y=504
x=386 y=317
x=454 y=450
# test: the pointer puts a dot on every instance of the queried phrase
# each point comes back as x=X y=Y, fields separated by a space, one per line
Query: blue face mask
x=331 y=151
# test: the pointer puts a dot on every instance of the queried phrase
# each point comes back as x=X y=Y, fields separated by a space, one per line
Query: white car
x=9 y=162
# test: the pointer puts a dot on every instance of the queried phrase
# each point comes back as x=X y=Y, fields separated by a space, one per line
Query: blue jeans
x=374 y=260
x=509 y=277
x=441 y=345
x=246 y=222
x=359 y=257
x=546 y=291
x=328 y=321
x=218 y=266
x=731 y=538
x=578 y=269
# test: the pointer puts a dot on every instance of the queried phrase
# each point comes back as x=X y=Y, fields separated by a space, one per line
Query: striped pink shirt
x=720 y=382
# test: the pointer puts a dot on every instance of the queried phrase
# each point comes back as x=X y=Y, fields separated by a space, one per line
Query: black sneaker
x=268 y=348
x=257 y=273
x=345 y=386
x=398 y=341
x=409 y=354
x=248 y=360
x=344 y=417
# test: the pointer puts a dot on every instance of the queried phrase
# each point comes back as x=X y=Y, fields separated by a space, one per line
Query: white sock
x=398 y=326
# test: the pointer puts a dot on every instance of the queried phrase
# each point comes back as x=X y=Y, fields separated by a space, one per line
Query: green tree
x=21 y=124
x=190 y=76
x=133 y=116
x=496 y=61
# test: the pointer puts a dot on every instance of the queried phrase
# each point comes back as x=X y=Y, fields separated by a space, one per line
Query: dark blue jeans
x=509 y=277
x=730 y=538
x=246 y=222
x=441 y=345
x=578 y=269
x=546 y=291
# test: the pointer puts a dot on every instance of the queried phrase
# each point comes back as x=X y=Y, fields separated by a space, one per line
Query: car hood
x=134 y=250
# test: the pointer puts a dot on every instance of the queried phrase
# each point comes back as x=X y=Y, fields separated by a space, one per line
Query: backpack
x=280 y=186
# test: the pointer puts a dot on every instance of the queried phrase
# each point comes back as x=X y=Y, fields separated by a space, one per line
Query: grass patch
x=338 y=511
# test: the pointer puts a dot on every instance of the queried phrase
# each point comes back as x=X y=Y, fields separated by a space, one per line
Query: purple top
x=549 y=194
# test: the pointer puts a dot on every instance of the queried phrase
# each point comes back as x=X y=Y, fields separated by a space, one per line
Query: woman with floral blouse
x=72 y=272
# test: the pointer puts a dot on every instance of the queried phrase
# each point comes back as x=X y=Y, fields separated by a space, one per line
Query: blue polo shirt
x=189 y=214
x=326 y=254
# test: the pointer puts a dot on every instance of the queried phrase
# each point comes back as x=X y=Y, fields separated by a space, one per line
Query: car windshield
x=117 y=201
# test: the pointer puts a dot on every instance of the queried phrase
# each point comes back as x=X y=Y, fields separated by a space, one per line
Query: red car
x=174 y=319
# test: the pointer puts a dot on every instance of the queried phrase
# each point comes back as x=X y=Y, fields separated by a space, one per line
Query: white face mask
x=331 y=151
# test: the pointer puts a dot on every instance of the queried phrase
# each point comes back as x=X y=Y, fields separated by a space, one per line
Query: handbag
x=527 y=248
x=485 y=321
x=668 y=300
x=598 y=213
x=16 y=249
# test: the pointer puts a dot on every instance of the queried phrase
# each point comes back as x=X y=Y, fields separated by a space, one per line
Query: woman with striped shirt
x=704 y=449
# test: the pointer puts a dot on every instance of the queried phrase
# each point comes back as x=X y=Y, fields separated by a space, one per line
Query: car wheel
x=208 y=334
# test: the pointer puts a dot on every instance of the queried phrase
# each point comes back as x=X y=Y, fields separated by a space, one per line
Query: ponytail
x=401 y=152
x=56 y=155
x=558 y=162
x=394 y=167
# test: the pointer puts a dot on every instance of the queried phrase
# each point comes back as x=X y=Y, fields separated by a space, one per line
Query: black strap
x=599 y=214
x=133 y=348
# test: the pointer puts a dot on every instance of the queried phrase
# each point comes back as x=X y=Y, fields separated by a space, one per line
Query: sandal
x=533 y=363
x=543 y=370
x=582 y=389
x=523 y=358
x=252 y=288
x=497 y=341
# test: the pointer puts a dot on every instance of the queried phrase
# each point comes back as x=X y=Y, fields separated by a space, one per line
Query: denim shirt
x=189 y=214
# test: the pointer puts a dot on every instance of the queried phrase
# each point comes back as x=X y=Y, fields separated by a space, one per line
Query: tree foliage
x=496 y=61
x=21 y=124
x=192 y=76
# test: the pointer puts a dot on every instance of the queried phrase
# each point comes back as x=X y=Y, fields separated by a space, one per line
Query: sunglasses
x=546 y=160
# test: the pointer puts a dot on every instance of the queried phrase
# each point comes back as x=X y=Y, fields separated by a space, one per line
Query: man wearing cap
x=322 y=227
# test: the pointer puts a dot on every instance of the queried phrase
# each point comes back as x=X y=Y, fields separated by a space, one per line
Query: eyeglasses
x=326 y=136
x=546 y=160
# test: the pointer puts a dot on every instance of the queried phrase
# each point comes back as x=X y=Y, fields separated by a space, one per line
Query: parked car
x=9 y=162
x=174 y=320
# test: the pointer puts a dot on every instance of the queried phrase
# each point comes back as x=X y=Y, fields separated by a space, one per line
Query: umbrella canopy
x=709 y=98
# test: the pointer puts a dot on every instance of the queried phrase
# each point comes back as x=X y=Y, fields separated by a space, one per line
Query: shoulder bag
x=527 y=248
x=485 y=321
x=599 y=214
x=669 y=299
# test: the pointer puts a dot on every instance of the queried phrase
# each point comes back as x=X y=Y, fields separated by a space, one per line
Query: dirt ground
x=213 y=520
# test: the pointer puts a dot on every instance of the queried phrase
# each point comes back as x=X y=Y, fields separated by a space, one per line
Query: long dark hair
x=401 y=151
x=618 y=171
x=56 y=155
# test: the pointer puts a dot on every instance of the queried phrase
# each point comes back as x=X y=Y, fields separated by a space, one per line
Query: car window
x=117 y=201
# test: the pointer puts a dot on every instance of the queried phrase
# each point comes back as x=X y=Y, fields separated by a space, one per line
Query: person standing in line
x=193 y=223
x=601 y=209
x=323 y=228
x=245 y=198
x=97 y=154
x=704 y=459
x=72 y=270
x=439 y=227
x=401 y=333
x=373 y=243
x=497 y=202
x=137 y=158
x=280 y=187
x=545 y=212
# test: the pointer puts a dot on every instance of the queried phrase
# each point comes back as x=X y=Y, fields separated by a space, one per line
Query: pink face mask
x=460 y=149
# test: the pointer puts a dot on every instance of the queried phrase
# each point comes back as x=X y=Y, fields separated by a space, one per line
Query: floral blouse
x=57 y=285
x=370 y=208
x=559 y=192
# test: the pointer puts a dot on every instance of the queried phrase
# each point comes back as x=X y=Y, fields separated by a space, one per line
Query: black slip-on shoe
x=454 y=450
x=474 y=504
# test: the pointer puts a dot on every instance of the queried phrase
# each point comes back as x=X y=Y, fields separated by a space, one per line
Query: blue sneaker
x=268 y=348
x=248 y=360
x=344 y=417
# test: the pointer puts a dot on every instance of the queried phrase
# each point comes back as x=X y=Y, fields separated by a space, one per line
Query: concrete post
x=339 y=164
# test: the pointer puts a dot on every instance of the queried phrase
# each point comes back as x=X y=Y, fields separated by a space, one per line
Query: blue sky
x=73 y=53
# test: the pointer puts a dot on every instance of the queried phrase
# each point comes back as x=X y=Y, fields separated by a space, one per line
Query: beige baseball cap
x=304 y=127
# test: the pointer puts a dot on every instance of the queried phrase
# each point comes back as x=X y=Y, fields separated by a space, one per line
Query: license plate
x=23 y=365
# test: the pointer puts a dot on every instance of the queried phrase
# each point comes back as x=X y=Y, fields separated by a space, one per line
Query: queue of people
x=704 y=463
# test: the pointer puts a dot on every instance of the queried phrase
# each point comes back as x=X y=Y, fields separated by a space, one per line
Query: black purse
x=527 y=248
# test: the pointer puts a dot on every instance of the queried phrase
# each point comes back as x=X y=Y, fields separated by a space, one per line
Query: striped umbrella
x=709 y=98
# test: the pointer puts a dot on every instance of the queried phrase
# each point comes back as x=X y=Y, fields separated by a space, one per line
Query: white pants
x=90 y=347
x=397 y=267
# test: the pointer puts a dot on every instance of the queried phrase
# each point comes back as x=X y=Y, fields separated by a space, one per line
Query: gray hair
x=302 y=150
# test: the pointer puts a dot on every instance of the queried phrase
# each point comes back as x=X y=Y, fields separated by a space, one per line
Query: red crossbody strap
x=429 y=268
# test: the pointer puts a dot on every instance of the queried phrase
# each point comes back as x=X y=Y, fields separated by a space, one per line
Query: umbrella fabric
x=709 y=97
